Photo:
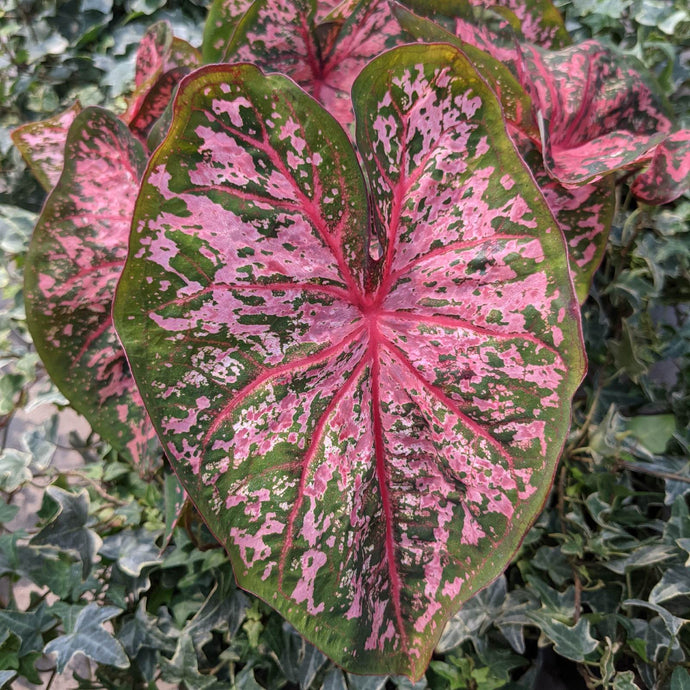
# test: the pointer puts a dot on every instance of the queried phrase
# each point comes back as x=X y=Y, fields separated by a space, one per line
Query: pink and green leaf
x=76 y=255
x=584 y=214
x=516 y=103
x=539 y=21
x=281 y=36
x=364 y=393
x=42 y=145
x=668 y=174
x=597 y=114
x=221 y=22
x=162 y=60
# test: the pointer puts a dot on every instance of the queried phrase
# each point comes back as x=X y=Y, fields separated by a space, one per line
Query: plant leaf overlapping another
x=77 y=252
x=365 y=394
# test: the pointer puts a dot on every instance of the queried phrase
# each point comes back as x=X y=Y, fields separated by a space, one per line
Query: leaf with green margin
x=584 y=214
x=162 y=60
x=68 y=529
x=7 y=512
x=321 y=405
x=74 y=261
x=597 y=114
x=221 y=21
x=42 y=145
x=539 y=20
x=90 y=638
x=516 y=103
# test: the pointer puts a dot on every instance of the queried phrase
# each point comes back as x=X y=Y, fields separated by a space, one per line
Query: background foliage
x=599 y=594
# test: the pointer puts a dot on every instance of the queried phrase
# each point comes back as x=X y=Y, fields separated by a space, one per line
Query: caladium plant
x=358 y=351
x=362 y=376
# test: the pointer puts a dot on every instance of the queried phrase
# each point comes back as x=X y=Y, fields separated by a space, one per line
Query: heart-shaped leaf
x=365 y=399
x=77 y=252
x=42 y=145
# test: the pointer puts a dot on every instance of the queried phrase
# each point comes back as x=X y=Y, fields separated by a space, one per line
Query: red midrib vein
x=383 y=479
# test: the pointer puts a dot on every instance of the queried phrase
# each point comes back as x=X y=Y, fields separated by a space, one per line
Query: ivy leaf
x=571 y=641
x=674 y=583
x=90 y=638
x=29 y=626
x=680 y=679
x=68 y=529
x=672 y=623
x=327 y=389
x=75 y=258
x=6 y=676
x=475 y=616
x=14 y=469
x=133 y=551
x=184 y=666
x=42 y=145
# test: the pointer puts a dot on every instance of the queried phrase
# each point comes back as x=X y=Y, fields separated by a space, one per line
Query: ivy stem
x=95 y=486
x=639 y=467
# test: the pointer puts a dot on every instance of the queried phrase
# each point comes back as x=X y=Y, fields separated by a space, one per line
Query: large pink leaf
x=668 y=174
x=365 y=400
x=281 y=36
x=77 y=251
x=598 y=114
x=42 y=145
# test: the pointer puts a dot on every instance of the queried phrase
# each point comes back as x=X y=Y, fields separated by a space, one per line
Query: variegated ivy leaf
x=597 y=114
x=364 y=393
x=42 y=145
x=668 y=175
x=77 y=251
x=162 y=60
x=283 y=36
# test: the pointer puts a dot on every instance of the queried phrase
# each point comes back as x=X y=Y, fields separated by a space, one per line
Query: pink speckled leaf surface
x=365 y=399
x=77 y=251
x=282 y=36
x=162 y=60
x=668 y=174
x=598 y=114
x=42 y=145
